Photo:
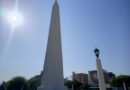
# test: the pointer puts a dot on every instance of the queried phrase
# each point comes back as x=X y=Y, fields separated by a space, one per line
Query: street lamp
x=100 y=74
x=96 y=51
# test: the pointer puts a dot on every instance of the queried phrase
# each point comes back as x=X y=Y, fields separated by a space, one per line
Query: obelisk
x=100 y=74
x=52 y=78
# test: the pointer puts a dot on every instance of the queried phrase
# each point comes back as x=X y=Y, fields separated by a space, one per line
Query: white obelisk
x=100 y=74
x=52 y=78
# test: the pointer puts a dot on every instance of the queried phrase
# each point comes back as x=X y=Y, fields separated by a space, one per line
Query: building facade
x=82 y=77
x=93 y=78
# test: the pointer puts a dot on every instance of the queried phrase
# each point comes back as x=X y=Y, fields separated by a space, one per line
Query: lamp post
x=100 y=75
x=124 y=85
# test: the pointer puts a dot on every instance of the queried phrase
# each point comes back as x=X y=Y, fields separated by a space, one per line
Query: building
x=81 y=77
x=93 y=78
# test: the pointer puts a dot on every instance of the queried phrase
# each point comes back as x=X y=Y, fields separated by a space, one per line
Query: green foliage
x=85 y=86
x=20 y=83
x=76 y=85
x=17 y=83
x=118 y=81
x=34 y=82
x=3 y=86
x=68 y=84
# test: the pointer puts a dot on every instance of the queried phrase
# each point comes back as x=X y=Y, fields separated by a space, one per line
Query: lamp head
x=96 y=51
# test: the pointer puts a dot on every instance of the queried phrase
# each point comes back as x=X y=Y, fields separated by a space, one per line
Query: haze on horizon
x=85 y=25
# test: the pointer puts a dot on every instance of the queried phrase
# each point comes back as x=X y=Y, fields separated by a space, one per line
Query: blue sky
x=85 y=24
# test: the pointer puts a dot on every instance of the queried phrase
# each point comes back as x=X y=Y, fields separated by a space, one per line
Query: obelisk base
x=50 y=88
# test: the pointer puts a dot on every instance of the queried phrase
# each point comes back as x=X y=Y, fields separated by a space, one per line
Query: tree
x=34 y=82
x=17 y=83
x=76 y=84
x=85 y=86
x=119 y=80
x=3 y=86
x=68 y=84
